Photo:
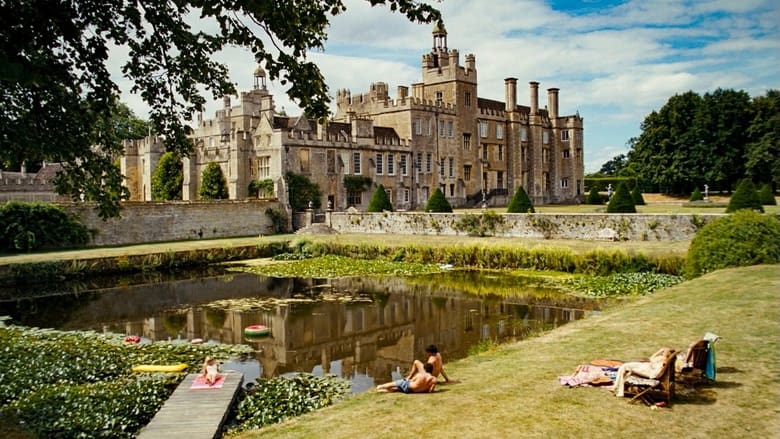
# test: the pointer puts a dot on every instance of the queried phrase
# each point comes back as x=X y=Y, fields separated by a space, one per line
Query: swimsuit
x=403 y=385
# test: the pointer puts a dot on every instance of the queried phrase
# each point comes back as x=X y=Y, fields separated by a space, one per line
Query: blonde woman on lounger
x=645 y=369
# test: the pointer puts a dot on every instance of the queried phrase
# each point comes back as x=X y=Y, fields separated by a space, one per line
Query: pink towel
x=200 y=383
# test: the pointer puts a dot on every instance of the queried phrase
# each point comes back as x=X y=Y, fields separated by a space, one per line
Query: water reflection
x=367 y=330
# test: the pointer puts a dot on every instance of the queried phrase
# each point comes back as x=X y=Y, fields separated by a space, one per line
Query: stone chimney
x=403 y=92
x=471 y=62
x=510 y=88
x=552 y=102
x=534 y=97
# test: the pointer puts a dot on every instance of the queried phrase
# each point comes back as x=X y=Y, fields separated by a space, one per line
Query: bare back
x=422 y=382
x=437 y=363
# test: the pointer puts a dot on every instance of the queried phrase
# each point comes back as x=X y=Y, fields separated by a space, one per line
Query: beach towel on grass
x=586 y=375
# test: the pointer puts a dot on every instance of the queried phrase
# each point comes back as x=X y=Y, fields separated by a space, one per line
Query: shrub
x=636 y=196
x=168 y=178
x=745 y=197
x=696 y=195
x=213 y=186
x=266 y=186
x=438 y=203
x=593 y=196
x=744 y=238
x=766 y=196
x=278 y=219
x=621 y=201
x=33 y=226
x=379 y=202
x=486 y=224
x=520 y=202
x=302 y=191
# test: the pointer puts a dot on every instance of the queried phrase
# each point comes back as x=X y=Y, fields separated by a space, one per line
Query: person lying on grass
x=434 y=359
x=422 y=382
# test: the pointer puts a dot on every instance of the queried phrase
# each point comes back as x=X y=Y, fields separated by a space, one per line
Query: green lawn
x=513 y=390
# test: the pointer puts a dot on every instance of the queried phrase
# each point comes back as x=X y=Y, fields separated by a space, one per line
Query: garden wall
x=611 y=227
x=176 y=221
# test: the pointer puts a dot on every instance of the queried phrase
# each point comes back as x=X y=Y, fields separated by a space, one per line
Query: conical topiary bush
x=696 y=195
x=621 y=201
x=636 y=196
x=766 y=196
x=745 y=197
x=438 y=203
x=520 y=203
x=213 y=185
x=379 y=202
x=593 y=196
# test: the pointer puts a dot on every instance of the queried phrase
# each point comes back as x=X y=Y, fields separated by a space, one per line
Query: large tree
x=666 y=152
x=57 y=96
x=715 y=139
x=762 y=153
x=722 y=125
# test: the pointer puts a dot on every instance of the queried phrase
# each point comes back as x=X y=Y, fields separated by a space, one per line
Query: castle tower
x=259 y=79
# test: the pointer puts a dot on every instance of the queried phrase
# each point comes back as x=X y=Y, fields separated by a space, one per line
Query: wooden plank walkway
x=194 y=413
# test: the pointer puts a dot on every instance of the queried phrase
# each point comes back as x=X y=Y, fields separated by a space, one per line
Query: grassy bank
x=513 y=391
x=564 y=255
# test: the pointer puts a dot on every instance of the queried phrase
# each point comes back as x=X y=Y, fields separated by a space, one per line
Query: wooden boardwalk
x=194 y=413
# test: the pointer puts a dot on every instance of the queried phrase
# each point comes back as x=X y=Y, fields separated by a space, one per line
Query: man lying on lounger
x=422 y=382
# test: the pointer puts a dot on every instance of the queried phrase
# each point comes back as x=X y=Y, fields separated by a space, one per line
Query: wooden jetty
x=194 y=413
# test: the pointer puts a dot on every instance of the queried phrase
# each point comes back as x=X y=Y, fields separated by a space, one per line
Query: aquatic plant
x=80 y=384
x=621 y=284
x=272 y=401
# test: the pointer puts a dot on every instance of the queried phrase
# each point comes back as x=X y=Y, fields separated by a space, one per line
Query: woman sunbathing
x=644 y=369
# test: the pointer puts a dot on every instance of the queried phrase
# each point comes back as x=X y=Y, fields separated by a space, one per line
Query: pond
x=365 y=329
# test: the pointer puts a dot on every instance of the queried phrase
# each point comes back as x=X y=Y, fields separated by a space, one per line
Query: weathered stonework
x=176 y=221
x=611 y=227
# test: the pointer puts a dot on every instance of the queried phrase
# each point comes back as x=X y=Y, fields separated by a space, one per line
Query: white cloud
x=615 y=65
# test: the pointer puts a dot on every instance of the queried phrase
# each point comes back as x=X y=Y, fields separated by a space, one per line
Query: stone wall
x=611 y=227
x=176 y=221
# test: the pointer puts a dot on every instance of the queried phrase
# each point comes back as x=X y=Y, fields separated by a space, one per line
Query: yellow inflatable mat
x=160 y=367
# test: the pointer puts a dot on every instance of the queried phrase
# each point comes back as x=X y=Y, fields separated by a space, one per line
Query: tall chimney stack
x=534 y=97
x=510 y=88
x=552 y=102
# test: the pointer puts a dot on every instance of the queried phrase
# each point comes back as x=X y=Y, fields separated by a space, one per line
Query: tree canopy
x=57 y=96
x=715 y=139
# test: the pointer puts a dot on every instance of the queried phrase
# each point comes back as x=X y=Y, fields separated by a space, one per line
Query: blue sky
x=614 y=61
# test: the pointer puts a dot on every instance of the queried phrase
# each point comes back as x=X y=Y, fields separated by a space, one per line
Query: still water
x=365 y=329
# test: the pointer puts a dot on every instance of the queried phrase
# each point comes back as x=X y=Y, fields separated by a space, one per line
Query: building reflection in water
x=368 y=341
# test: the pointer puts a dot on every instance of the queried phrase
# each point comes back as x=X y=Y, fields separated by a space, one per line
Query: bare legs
x=417 y=367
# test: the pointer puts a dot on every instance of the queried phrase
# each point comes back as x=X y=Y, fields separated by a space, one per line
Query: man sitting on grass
x=422 y=382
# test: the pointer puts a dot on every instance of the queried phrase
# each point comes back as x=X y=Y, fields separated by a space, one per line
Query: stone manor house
x=439 y=133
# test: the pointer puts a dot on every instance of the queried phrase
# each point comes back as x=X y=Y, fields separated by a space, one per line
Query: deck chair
x=652 y=390
x=693 y=363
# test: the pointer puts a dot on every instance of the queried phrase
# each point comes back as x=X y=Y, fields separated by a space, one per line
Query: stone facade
x=441 y=136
